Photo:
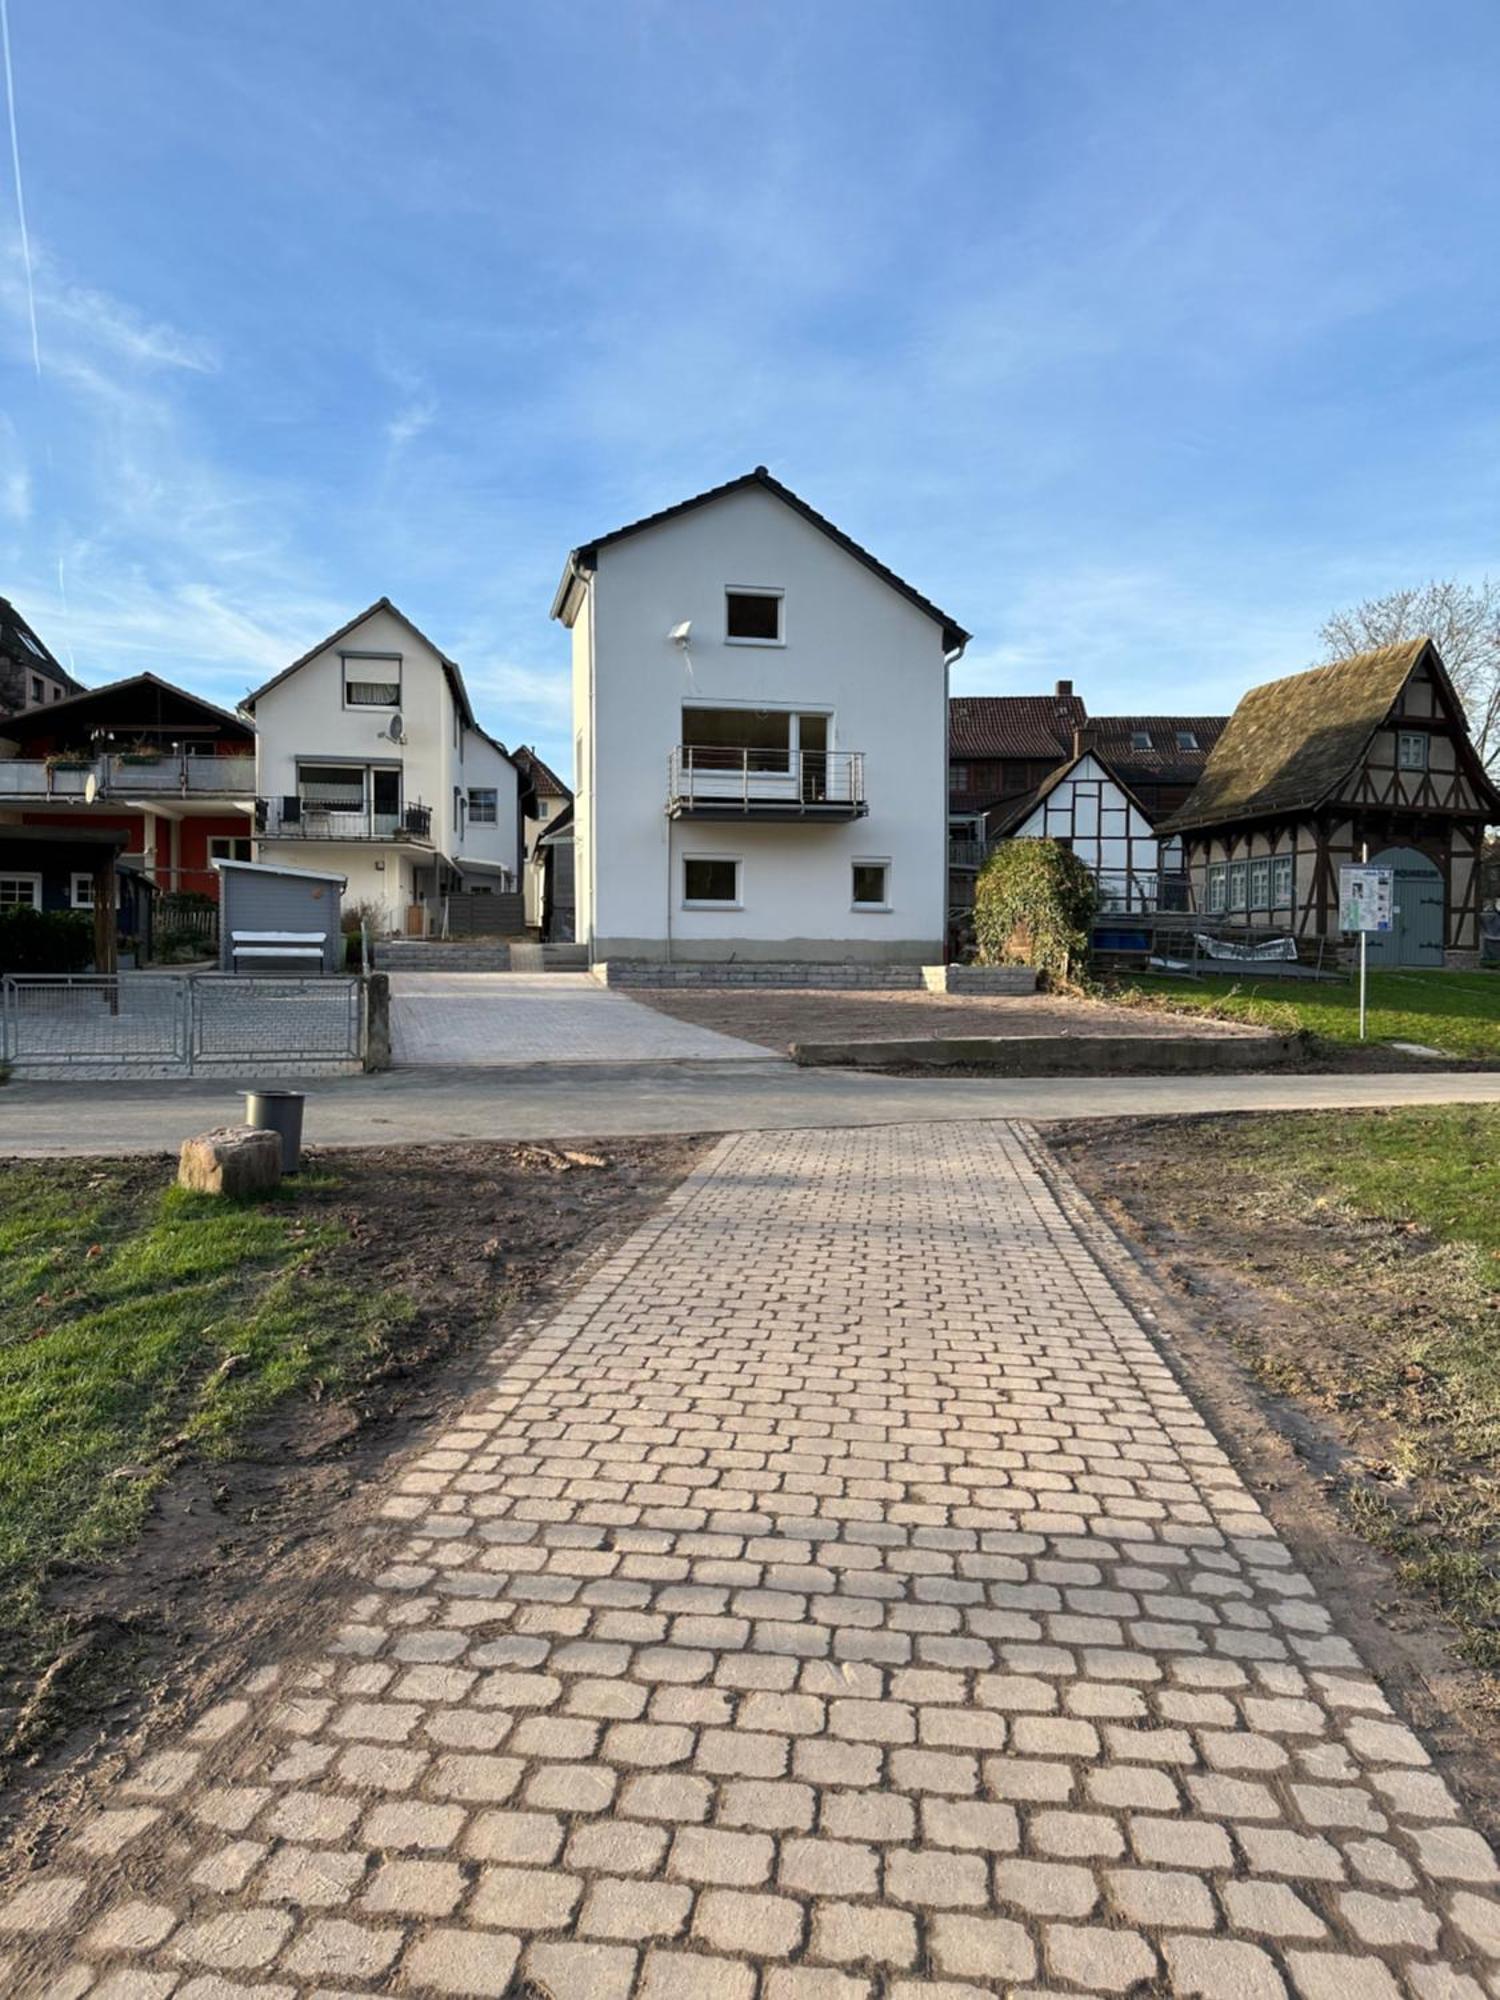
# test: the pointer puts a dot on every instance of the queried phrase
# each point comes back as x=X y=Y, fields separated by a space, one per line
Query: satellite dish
x=680 y=634
x=394 y=730
x=91 y=787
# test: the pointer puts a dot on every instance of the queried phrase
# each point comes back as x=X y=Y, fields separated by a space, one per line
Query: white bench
x=276 y=944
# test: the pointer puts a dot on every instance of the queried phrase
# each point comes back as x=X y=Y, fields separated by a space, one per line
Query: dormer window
x=1140 y=739
x=372 y=680
x=1187 y=739
x=752 y=617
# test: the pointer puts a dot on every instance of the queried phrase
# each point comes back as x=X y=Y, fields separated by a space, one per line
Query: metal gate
x=182 y=1022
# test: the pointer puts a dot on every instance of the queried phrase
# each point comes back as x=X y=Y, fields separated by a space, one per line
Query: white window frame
x=231 y=841
x=871 y=861
x=1187 y=739
x=1140 y=739
x=1218 y=888
x=1423 y=757
x=755 y=590
x=81 y=880
x=395 y=660
x=22 y=875
x=479 y=815
x=734 y=861
x=1283 y=881
x=1239 y=886
x=1259 y=891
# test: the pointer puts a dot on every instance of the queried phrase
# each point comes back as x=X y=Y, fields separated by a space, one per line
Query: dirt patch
x=481 y=1238
x=778 y=1016
x=1294 y=1323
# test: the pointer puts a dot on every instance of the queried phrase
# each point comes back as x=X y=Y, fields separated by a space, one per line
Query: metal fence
x=182 y=1022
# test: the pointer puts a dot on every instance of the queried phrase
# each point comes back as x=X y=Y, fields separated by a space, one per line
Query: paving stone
x=477 y=1965
x=1332 y=1975
x=1105 y=1961
x=583 y=1971
x=981 y=1947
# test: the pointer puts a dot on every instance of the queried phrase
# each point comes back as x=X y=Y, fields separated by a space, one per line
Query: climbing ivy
x=1033 y=904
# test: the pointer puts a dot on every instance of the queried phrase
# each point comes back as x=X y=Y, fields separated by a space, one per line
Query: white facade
x=369 y=761
x=822 y=792
x=1086 y=807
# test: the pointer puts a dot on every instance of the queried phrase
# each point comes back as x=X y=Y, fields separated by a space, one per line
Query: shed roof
x=276 y=868
x=586 y=554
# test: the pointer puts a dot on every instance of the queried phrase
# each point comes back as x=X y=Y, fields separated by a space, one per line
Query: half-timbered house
x=1087 y=806
x=1367 y=759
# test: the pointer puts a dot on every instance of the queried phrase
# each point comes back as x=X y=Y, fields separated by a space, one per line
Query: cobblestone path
x=838 y=1600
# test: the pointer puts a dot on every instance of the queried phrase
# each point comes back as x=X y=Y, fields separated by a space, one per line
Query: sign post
x=1366 y=903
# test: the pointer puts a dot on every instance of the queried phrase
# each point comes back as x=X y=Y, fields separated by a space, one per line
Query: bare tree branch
x=1463 y=622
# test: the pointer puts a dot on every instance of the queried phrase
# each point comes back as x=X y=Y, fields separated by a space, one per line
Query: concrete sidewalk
x=455 y=1019
x=621 y=1100
x=839 y=1599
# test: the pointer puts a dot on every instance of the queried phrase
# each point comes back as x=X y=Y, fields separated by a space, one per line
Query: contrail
x=15 y=161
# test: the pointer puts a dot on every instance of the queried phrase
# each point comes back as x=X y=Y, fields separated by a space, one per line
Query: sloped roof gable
x=1291 y=743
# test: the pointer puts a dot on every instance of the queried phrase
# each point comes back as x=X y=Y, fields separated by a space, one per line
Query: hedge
x=45 y=941
x=1033 y=904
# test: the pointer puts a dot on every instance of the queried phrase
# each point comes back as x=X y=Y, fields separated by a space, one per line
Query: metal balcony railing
x=1140 y=891
x=781 y=783
x=966 y=853
x=171 y=775
x=300 y=817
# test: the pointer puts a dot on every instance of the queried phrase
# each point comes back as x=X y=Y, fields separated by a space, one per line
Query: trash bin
x=278 y=1111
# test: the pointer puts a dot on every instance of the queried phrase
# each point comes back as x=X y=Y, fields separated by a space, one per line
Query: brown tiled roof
x=544 y=780
x=582 y=558
x=1164 y=762
x=1014 y=725
x=1291 y=743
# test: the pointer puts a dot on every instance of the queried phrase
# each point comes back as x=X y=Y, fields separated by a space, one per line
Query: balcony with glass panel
x=765 y=764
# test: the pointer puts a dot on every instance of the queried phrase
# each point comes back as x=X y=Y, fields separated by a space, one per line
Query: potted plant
x=70 y=760
x=142 y=753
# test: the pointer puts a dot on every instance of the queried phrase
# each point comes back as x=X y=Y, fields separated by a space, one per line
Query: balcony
x=968 y=854
x=716 y=781
x=169 y=776
x=298 y=817
x=1139 y=891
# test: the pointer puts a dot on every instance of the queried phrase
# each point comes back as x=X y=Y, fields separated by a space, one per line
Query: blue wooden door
x=1421 y=911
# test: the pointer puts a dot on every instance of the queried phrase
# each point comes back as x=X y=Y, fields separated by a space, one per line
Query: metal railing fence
x=181 y=1021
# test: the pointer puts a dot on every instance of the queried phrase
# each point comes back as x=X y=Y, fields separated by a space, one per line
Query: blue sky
x=1139 y=336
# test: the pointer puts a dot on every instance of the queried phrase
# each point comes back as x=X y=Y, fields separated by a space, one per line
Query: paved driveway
x=839 y=1598
x=531 y=1017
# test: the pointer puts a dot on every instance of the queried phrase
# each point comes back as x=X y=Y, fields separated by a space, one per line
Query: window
x=57 y=694
x=709 y=883
x=1411 y=751
x=82 y=892
x=20 y=892
x=1281 y=882
x=1238 y=884
x=1140 y=739
x=38 y=692
x=753 y=617
x=872 y=885
x=227 y=847
x=1187 y=739
x=1260 y=884
x=1217 y=888
x=484 y=805
x=372 y=680
x=339 y=787
x=543 y=807
x=28 y=642
x=958 y=777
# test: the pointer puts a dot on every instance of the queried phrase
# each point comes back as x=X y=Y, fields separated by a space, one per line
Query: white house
x=760 y=755
x=368 y=757
x=1088 y=807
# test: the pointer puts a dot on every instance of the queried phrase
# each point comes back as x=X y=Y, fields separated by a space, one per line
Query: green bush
x=46 y=941
x=1033 y=905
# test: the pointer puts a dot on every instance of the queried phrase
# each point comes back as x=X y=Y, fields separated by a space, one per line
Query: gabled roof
x=1290 y=744
x=120 y=696
x=1014 y=725
x=450 y=668
x=556 y=828
x=583 y=558
x=545 y=782
x=1020 y=810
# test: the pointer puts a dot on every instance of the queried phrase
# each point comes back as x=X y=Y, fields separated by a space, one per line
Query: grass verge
x=1457 y=1013
x=140 y=1324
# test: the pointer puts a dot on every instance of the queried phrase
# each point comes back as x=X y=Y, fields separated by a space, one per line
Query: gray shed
x=275 y=919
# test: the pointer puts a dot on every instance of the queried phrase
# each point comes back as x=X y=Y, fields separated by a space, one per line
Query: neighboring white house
x=368 y=757
x=760 y=755
x=1089 y=808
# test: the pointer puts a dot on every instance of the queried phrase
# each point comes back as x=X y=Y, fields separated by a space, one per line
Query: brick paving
x=837 y=1600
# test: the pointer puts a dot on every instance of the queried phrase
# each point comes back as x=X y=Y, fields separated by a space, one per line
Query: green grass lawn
x=137 y=1323
x=1456 y=1012
x=1430 y=1325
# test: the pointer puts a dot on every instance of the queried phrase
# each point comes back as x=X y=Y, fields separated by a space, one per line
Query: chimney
x=1084 y=738
x=1064 y=690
